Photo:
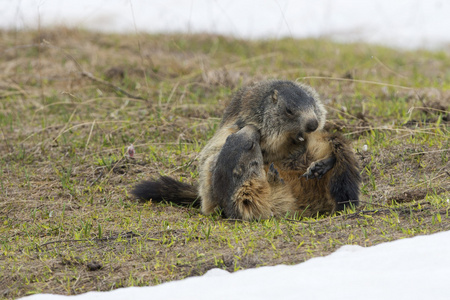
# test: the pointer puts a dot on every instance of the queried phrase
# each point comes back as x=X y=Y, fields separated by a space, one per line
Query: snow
x=400 y=23
x=413 y=268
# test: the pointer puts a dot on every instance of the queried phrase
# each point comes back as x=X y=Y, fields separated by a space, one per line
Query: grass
x=71 y=102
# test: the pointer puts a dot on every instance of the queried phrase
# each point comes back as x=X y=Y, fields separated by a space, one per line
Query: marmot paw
x=319 y=168
x=273 y=176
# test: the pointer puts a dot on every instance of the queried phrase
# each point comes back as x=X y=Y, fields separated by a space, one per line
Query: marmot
x=240 y=185
x=284 y=114
x=282 y=111
x=323 y=178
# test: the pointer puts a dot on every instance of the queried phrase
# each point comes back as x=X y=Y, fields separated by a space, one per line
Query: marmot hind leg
x=345 y=181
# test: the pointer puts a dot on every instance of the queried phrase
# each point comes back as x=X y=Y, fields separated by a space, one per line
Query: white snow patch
x=413 y=268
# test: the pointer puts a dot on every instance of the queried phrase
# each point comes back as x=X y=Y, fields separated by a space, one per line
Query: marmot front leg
x=319 y=168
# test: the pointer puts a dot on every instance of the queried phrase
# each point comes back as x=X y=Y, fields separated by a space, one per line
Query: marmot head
x=283 y=111
x=239 y=160
x=295 y=110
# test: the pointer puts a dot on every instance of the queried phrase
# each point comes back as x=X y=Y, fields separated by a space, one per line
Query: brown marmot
x=324 y=178
x=283 y=115
x=241 y=187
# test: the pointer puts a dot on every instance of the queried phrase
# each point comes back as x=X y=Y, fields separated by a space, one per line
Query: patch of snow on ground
x=414 y=268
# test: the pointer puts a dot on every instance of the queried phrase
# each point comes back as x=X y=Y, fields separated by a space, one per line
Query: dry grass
x=71 y=102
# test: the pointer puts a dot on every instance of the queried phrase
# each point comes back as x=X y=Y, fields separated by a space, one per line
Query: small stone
x=94 y=266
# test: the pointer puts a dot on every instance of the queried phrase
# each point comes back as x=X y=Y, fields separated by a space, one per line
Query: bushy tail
x=167 y=189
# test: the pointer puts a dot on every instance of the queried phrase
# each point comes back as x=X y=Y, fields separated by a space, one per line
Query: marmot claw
x=273 y=175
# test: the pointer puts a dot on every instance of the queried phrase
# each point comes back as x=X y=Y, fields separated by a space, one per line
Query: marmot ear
x=275 y=96
x=238 y=171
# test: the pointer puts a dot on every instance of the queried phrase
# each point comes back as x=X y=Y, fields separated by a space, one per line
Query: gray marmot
x=282 y=111
x=285 y=115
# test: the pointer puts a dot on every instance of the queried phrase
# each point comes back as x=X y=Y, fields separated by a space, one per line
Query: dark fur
x=167 y=189
x=346 y=179
x=239 y=160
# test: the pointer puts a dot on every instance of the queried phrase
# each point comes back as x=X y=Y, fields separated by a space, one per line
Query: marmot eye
x=252 y=145
x=289 y=112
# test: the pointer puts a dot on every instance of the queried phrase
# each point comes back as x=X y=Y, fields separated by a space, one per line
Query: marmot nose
x=312 y=125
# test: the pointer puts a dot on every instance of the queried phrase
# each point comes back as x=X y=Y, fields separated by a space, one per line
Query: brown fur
x=251 y=200
x=290 y=192
x=320 y=195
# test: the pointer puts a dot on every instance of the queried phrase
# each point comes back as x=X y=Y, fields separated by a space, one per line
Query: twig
x=88 y=74
x=389 y=69
x=127 y=235
x=9 y=94
x=109 y=84
x=65 y=126
x=97 y=179
x=89 y=137
x=358 y=213
x=356 y=80
x=63 y=241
